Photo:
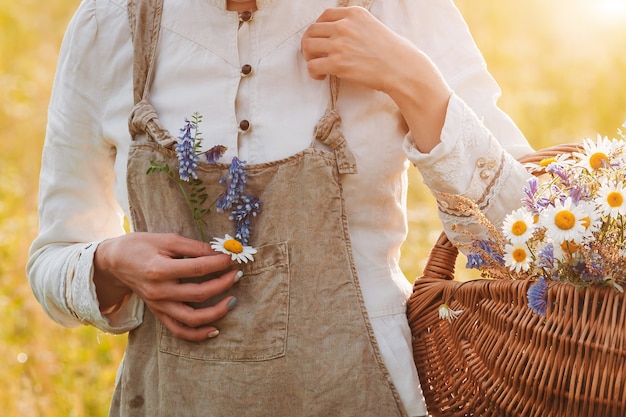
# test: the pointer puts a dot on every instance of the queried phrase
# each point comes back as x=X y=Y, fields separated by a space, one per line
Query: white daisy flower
x=563 y=160
x=564 y=221
x=595 y=155
x=565 y=250
x=612 y=199
x=517 y=257
x=446 y=313
x=234 y=248
x=592 y=219
x=518 y=226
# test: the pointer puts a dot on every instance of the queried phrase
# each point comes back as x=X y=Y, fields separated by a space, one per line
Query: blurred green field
x=562 y=68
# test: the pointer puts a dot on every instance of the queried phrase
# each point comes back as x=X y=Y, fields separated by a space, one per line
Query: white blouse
x=201 y=52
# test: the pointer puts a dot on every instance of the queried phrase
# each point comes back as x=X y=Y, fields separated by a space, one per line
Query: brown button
x=245 y=16
x=246 y=69
x=244 y=125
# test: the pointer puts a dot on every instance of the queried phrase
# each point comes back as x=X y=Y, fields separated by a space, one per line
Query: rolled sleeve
x=469 y=163
x=77 y=203
x=83 y=300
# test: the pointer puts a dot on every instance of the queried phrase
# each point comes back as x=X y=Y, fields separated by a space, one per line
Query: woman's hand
x=152 y=265
x=350 y=43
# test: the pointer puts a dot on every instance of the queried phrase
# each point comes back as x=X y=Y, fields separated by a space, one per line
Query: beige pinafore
x=299 y=342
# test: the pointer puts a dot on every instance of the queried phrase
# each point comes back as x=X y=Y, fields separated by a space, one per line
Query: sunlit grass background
x=562 y=68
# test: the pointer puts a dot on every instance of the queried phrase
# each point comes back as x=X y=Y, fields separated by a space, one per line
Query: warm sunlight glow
x=610 y=9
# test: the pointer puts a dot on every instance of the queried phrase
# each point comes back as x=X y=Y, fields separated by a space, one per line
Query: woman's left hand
x=350 y=43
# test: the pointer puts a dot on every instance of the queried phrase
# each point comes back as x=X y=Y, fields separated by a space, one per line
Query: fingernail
x=214 y=333
x=238 y=276
x=232 y=303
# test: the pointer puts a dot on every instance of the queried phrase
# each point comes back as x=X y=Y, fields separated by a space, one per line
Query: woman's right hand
x=151 y=265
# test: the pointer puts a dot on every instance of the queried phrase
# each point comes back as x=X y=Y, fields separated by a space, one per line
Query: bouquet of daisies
x=570 y=228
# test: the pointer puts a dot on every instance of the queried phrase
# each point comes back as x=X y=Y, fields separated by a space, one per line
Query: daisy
x=562 y=160
x=517 y=257
x=566 y=251
x=612 y=199
x=518 y=226
x=234 y=248
x=446 y=313
x=595 y=155
x=564 y=221
x=592 y=219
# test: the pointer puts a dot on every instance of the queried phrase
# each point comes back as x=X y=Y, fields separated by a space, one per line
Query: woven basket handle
x=442 y=257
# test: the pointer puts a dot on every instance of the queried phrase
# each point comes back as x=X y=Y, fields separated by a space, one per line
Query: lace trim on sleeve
x=490 y=176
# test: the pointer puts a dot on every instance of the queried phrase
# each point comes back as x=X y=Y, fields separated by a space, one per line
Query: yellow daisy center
x=547 y=161
x=565 y=220
x=233 y=246
x=615 y=199
x=598 y=160
x=519 y=255
x=518 y=228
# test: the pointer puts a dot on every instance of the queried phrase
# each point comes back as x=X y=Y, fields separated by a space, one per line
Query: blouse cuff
x=449 y=166
x=83 y=302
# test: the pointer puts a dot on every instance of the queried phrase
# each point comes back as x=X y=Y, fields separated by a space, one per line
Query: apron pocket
x=256 y=329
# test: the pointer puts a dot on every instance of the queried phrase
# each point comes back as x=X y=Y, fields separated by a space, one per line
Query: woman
x=327 y=105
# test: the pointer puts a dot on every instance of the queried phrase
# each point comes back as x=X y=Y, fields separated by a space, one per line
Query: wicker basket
x=498 y=358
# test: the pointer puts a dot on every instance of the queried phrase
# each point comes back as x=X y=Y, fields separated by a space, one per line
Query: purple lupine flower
x=235 y=184
x=579 y=193
x=488 y=246
x=530 y=190
x=242 y=206
x=475 y=261
x=483 y=254
x=248 y=207
x=560 y=172
x=221 y=202
x=538 y=296
x=185 y=151
x=215 y=153
x=545 y=258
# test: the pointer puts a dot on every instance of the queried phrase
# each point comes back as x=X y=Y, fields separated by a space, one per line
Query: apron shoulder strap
x=145 y=25
x=363 y=3
x=328 y=129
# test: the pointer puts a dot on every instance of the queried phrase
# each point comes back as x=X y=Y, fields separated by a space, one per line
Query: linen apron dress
x=299 y=342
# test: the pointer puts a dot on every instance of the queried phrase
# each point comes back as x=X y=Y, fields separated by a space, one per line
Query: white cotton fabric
x=83 y=196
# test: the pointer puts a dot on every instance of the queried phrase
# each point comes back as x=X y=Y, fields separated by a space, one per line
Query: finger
x=178 y=246
x=194 y=292
x=188 y=333
x=193 y=317
x=315 y=47
x=320 y=30
x=332 y=14
x=319 y=68
x=188 y=267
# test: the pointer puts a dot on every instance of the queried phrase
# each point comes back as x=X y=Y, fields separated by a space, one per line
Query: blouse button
x=485 y=174
x=246 y=70
x=244 y=125
x=245 y=16
x=480 y=163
